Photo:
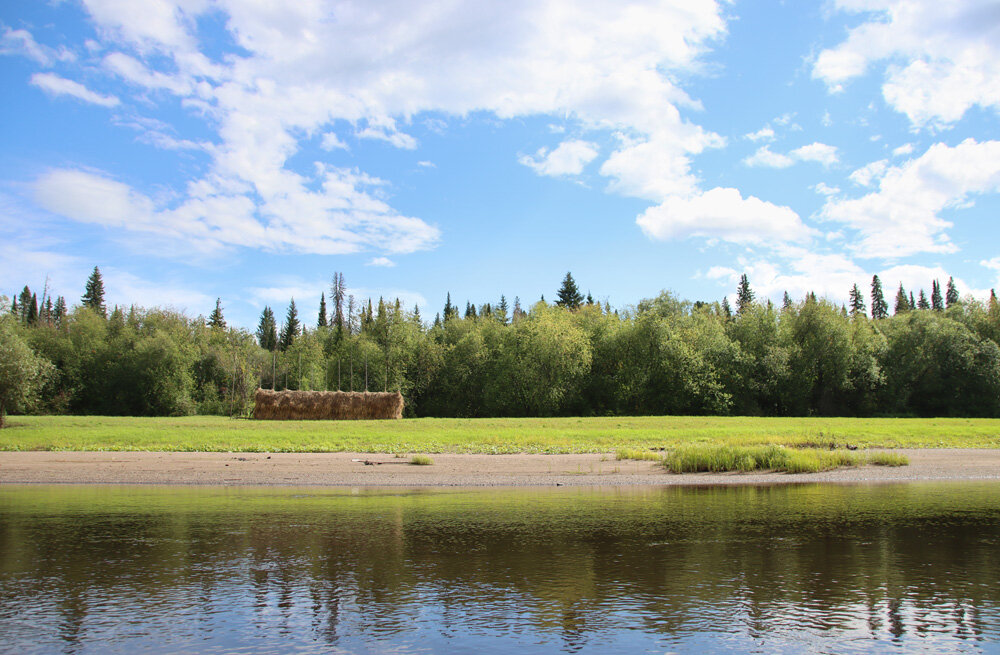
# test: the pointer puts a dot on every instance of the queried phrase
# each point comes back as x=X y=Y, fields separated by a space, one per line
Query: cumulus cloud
x=568 y=158
x=817 y=152
x=381 y=261
x=905 y=149
x=295 y=70
x=722 y=213
x=949 y=54
x=826 y=190
x=763 y=134
x=59 y=86
x=869 y=173
x=903 y=217
x=765 y=158
x=344 y=218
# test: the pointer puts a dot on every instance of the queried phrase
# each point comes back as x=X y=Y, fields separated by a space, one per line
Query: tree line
x=664 y=355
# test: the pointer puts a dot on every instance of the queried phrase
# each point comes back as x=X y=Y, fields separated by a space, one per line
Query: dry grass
x=325 y=405
x=421 y=460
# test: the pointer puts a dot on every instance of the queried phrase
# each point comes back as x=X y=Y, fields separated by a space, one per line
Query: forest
x=934 y=356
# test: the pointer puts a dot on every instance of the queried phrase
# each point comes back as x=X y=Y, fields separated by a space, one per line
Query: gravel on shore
x=360 y=469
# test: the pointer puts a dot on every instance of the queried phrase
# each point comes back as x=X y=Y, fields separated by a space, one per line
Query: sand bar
x=342 y=469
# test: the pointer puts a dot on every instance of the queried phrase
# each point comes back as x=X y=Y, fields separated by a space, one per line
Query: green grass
x=499 y=436
x=421 y=460
x=720 y=459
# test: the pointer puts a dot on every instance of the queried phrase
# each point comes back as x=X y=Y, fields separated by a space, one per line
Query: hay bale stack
x=326 y=405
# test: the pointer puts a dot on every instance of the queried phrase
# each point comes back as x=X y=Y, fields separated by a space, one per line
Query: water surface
x=818 y=568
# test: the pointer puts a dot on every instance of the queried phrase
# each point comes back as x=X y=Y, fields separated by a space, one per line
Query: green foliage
x=216 y=320
x=744 y=295
x=93 y=295
x=267 y=330
x=569 y=295
x=22 y=372
x=880 y=309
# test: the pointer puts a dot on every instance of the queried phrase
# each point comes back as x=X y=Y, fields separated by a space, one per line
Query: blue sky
x=196 y=149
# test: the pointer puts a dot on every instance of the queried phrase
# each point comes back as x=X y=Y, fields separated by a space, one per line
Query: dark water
x=900 y=568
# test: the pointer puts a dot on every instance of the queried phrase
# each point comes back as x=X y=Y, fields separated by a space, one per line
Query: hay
x=326 y=405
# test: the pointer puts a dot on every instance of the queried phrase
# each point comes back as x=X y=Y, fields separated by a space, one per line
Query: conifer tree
x=857 y=301
x=913 y=305
x=937 y=304
x=880 y=308
x=569 y=295
x=290 y=330
x=216 y=320
x=417 y=320
x=744 y=295
x=267 y=330
x=786 y=301
x=517 y=313
x=450 y=311
x=93 y=295
x=437 y=320
x=14 y=309
x=33 y=310
x=811 y=297
x=726 y=310
x=902 y=302
x=951 y=295
x=59 y=311
x=922 y=303
x=502 y=310
x=321 y=320
x=486 y=311
x=47 y=311
x=24 y=305
x=470 y=310
x=994 y=305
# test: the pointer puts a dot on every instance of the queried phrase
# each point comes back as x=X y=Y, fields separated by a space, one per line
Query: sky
x=247 y=150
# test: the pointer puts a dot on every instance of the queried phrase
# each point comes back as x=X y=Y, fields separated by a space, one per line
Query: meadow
x=489 y=436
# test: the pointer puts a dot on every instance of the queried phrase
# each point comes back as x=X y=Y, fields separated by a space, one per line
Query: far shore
x=447 y=470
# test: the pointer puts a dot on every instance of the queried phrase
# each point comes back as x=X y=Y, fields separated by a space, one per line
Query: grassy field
x=529 y=435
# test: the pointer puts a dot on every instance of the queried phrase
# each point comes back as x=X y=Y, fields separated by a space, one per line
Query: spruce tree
x=23 y=308
x=569 y=295
x=726 y=310
x=937 y=303
x=267 y=330
x=994 y=305
x=48 y=313
x=32 y=314
x=290 y=330
x=880 y=308
x=951 y=295
x=437 y=320
x=59 y=312
x=502 y=310
x=470 y=310
x=450 y=311
x=902 y=302
x=216 y=320
x=517 y=313
x=321 y=321
x=14 y=309
x=786 y=301
x=857 y=301
x=913 y=305
x=744 y=295
x=922 y=303
x=93 y=295
x=590 y=300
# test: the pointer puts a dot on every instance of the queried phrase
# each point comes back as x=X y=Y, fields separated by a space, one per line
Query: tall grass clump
x=887 y=459
x=645 y=455
x=421 y=460
x=725 y=458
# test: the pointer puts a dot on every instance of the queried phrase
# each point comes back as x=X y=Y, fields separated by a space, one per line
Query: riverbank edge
x=447 y=470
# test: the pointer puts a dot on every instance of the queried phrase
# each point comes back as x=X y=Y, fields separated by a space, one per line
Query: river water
x=796 y=568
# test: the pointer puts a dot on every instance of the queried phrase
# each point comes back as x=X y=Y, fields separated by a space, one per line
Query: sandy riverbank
x=448 y=470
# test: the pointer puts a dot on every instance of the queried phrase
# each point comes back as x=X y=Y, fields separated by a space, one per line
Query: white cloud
x=719 y=272
x=869 y=173
x=342 y=219
x=818 y=152
x=55 y=85
x=569 y=158
x=949 y=54
x=722 y=213
x=124 y=289
x=764 y=157
x=763 y=134
x=21 y=42
x=827 y=120
x=826 y=190
x=905 y=149
x=904 y=216
x=332 y=142
x=301 y=68
x=426 y=164
x=381 y=261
